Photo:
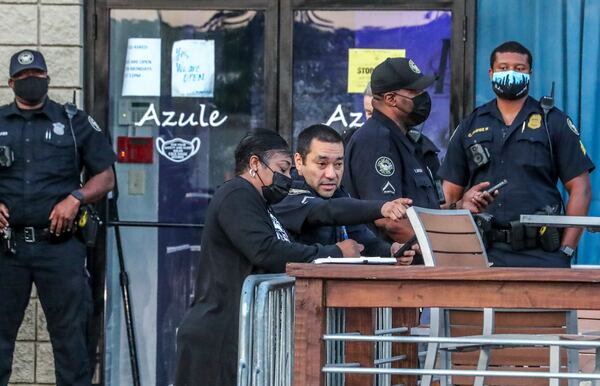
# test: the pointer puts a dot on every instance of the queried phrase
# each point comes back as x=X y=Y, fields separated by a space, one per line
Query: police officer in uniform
x=42 y=152
x=388 y=158
x=515 y=137
x=318 y=210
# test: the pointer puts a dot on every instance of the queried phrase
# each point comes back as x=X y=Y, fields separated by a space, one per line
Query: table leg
x=360 y=320
x=309 y=350
x=405 y=317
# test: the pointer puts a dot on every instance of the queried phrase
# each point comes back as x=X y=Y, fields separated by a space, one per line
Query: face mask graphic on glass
x=510 y=85
x=279 y=188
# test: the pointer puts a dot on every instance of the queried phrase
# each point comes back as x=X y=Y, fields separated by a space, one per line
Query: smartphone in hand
x=407 y=245
x=498 y=186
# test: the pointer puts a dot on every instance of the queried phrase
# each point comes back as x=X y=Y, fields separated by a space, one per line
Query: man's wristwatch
x=78 y=194
x=568 y=251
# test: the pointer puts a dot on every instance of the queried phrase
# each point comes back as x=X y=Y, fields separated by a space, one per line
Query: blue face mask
x=510 y=85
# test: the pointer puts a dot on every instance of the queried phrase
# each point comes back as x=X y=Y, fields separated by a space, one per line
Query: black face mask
x=420 y=111
x=32 y=89
x=278 y=190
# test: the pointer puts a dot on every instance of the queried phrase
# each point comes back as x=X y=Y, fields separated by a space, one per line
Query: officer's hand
x=407 y=256
x=396 y=209
x=350 y=248
x=63 y=214
x=4 y=216
x=477 y=199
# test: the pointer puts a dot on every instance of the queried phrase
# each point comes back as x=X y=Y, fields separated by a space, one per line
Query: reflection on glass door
x=185 y=86
x=334 y=53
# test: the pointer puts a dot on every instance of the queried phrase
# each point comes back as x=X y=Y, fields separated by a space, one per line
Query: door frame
x=96 y=101
x=462 y=49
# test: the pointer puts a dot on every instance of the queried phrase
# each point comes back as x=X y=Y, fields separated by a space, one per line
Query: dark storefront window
x=335 y=51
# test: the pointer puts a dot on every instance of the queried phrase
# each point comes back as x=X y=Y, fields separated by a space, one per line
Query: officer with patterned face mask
x=44 y=146
x=531 y=145
x=389 y=157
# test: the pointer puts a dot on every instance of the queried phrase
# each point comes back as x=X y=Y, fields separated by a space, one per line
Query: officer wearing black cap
x=387 y=158
x=515 y=137
x=43 y=148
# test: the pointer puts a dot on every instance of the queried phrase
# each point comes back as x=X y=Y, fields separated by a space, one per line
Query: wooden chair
x=450 y=238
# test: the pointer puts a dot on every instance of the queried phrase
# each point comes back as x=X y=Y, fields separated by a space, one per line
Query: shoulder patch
x=385 y=166
x=94 y=124
x=572 y=126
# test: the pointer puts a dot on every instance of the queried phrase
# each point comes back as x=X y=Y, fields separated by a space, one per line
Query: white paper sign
x=193 y=68
x=142 y=68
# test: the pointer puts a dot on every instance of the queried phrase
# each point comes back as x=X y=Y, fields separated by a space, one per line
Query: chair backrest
x=448 y=238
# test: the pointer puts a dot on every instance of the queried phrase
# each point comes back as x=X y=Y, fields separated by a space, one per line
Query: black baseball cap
x=26 y=60
x=399 y=73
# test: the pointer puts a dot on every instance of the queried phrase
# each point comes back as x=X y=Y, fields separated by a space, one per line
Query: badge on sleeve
x=384 y=166
x=572 y=126
x=388 y=188
x=94 y=124
x=535 y=121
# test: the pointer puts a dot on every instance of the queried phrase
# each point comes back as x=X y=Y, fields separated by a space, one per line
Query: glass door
x=184 y=85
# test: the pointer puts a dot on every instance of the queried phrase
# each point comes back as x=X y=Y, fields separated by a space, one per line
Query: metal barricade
x=247 y=331
x=266 y=334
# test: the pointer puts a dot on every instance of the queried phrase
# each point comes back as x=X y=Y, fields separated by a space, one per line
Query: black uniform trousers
x=61 y=279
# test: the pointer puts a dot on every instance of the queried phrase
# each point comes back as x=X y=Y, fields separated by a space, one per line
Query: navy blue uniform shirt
x=382 y=163
x=311 y=219
x=44 y=170
x=519 y=153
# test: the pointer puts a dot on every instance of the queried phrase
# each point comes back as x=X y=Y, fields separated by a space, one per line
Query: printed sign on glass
x=142 y=68
x=362 y=61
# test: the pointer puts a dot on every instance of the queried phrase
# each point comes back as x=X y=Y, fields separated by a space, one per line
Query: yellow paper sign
x=362 y=61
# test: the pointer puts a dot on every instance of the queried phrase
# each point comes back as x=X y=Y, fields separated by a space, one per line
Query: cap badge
x=384 y=166
x=25 y=57
x=413 y=67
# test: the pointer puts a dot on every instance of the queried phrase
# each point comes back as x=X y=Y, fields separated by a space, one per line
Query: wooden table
x=361 y=286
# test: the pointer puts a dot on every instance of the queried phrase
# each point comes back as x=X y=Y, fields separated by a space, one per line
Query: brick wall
x=53 y=27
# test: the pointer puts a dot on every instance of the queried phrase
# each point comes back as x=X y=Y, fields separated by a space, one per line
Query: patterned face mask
x=510 y=85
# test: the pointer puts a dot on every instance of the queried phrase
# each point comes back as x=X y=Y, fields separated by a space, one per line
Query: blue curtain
x=564 y=39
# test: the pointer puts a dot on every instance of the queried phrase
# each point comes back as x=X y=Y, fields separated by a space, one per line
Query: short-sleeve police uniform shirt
x=44 y=170
x=382 y=163
x=519 y=153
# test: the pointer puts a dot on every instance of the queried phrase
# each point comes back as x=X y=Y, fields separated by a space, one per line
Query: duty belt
x=500 y=235
x=32 y=234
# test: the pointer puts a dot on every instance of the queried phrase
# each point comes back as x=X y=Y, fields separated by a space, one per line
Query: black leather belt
x=33 y=234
